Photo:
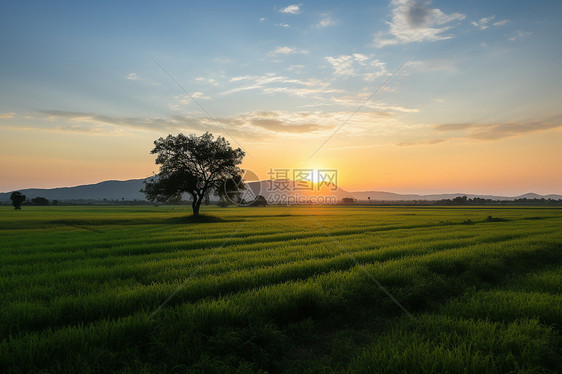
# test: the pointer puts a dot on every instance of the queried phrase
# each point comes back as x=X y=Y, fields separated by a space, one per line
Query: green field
x=145 y=289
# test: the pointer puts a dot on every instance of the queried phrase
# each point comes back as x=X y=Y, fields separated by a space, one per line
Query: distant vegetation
x=463 y=200
x=281 y=290
x=39 y=201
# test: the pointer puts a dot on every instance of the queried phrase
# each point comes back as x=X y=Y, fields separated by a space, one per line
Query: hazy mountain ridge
x=130 y=190
x=110 y=190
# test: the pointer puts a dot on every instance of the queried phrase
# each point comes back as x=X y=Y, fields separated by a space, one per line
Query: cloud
x=431 y=65
x=286 y=51
x=250 y=126
x=520 y=35
x=94 y=130
x=284 y=25
x=278 y=126
x=273 y=83
x=496 y=131
x=422 y=142
x=384 y=109
x=246 y=124
x=501 y=23
x=210 y=81
x=295 y=67
x=483 y=23
x=139 y=123
x=136 y=77
x=313 y=123
x=291 y=9
x=7 y=115
x=183 y=100
x=325 y=21
x=415 y=21
x=486 y=131
x=455 y=126
x=357 y=65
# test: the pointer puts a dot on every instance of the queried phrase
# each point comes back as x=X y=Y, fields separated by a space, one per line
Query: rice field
x=281 y=290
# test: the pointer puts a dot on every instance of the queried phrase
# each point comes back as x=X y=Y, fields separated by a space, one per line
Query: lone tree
x=197 y=165
x=17 y=199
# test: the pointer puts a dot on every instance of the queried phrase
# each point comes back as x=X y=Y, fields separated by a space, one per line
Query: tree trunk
x=197 y=200
x=195 y=206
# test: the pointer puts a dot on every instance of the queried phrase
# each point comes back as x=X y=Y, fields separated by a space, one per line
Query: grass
x=280 y=289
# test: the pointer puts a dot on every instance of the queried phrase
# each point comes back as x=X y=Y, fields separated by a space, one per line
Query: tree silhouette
x=348 y=200
x=197 y=165
x=39 y=201
x=17 y=199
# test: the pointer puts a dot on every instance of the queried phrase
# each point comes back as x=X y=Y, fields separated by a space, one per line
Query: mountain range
x=130 y=190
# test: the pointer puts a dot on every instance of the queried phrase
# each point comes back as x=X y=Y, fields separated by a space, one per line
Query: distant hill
x=130 y=190
x=110 y=190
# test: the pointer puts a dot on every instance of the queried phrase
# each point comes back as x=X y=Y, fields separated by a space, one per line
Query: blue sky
x=78 y=83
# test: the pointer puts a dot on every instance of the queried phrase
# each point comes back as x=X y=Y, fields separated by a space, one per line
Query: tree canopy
x=197 y=165
x=17 y=199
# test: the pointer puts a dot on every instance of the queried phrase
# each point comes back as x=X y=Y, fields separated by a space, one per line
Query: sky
x=408 y=96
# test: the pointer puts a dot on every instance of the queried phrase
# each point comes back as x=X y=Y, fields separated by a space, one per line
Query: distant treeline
x=479 y=201
x=464 y=201
x=41 y=201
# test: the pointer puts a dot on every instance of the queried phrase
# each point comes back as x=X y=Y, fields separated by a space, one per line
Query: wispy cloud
x=505 y=130
x=273 y=83
x=422 y=142
x=486 y=22
x=496 y=131
x=211 y=81
x=133 y=77
x=501 y=23
x=384 y=109
x=279 y=126
x=69 y=119
x=7 y=115
x=286 y=51
x=431 y=65
x=295 y=67
x=325 y=21
x=519 y=34
x=291 y=9
x=183 y=100
x=357 y=65
x=314 y=123
x=249 y=125
x=136 y=77
x=486 y=131
x=483 y=23
x=415 y=21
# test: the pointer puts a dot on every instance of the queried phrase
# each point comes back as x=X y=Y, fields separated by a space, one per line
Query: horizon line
x=338 y=187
